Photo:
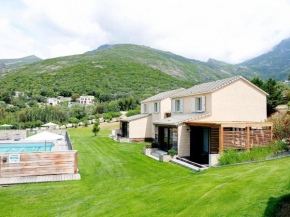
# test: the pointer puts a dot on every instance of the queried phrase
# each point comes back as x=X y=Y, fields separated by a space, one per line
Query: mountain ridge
x=6 y=64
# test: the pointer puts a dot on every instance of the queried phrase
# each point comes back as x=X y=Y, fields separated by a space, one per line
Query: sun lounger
x=17 y=137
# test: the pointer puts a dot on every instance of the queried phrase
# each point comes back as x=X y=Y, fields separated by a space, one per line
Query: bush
x=148 y=146
x=232 y=156
x=133 y=112
x=172 y=152
x=115 y=114
x=107 y=116
x=154 y=145
x=86 y=123
x=281 y=127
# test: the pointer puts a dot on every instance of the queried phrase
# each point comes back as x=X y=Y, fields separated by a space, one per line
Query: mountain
x=174 y=65
x=275 y=63
x=119 y=70
x=15 y=63
x=129 y=69
x=98 y=49
x=231 y=69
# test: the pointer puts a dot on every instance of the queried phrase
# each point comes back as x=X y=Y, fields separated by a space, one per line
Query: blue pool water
x=25 y=147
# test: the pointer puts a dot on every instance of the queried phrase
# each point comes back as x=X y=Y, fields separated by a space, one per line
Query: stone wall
x=11 y=134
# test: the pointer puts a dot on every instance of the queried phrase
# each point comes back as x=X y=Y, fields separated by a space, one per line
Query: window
x=155 y=107
x=145 y=108
x=198 y=103
x=177 y=105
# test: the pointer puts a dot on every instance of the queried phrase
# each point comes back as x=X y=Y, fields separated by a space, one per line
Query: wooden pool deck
x=39 y=179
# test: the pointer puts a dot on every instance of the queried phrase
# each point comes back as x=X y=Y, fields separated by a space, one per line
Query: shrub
x=91 y=117
x=115 y=114
x=232 y=156
x=281 y=126
x=107 y=116
x=172 y=152
x=148 y=146
x=133 y=112
x=86 y=123
x=96 y=128
x=154 y=145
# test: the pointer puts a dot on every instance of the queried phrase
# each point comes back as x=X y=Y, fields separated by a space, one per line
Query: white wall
x=141 y=128
x=238 y=101
x=183 y=141
x=187 y=104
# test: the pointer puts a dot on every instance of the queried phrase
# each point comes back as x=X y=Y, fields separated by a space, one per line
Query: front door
x=199 y=144
x=125 y=130
x=166 y=138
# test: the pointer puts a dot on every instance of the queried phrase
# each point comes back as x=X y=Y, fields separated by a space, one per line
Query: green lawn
x=118 y=180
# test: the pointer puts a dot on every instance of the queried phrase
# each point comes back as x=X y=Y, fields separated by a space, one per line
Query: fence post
x=221 y=139
x=76 y=163
x=272 y=132
x=248 y=138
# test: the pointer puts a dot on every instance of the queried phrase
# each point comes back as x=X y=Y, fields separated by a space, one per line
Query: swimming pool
x=25 y=147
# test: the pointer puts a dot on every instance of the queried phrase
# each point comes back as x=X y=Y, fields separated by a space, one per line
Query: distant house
x=287 y=82
x=18 y=94
x=53 y=101
x=86 y=100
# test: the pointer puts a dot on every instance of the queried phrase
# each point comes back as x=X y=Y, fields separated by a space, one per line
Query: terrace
x=47 y=153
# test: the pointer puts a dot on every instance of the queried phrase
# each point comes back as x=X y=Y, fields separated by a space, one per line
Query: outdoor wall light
x=189 y=129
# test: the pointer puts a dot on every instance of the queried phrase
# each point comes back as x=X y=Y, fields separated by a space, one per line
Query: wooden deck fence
x=39 y=163
x=246 y=139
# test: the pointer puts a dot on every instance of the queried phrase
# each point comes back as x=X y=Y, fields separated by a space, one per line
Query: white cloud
x=231 y=31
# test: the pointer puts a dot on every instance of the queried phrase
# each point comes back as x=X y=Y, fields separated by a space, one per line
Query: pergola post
x=248 y=138
x=221 y=139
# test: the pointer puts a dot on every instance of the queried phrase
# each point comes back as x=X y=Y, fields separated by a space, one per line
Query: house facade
x=86 y=100
x=140 y=127
x=53 y=101
x=211 y=117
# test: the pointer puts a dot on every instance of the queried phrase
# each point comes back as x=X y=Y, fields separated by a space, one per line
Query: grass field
x=118 y=180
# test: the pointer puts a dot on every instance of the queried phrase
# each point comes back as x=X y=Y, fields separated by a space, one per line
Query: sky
x=227 y=30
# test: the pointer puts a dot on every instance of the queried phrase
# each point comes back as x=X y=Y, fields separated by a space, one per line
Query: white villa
x=86 y=100
x=53 y=101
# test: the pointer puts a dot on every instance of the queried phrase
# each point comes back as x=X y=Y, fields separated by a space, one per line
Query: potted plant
x=172 y=152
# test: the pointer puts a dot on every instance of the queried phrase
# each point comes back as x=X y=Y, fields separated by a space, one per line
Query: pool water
x=25 y=147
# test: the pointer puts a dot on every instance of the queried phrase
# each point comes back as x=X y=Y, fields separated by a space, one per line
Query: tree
x=272 y=88
x=74 y=120
x=74 y=97
x=2 y=112
x=96 y=128
x=275 y=94
x=288 y=95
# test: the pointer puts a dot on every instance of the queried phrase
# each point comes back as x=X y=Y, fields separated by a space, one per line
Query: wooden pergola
x=222 y=125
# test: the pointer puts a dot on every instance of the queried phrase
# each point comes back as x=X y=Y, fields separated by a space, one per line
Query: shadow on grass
x=278 y=207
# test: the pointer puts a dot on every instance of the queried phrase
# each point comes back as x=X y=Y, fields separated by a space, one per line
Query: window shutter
x=152 y=107
x=181 y=105
x=142 y=108
x=203 y=103
x=173 y=106
x=158 y=107
x=193 y=104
